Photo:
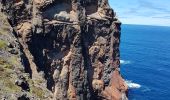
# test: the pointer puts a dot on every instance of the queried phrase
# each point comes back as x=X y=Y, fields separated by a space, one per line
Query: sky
x=144 y=12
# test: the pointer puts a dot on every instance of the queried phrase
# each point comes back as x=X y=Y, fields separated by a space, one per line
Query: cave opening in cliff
x=58 y=7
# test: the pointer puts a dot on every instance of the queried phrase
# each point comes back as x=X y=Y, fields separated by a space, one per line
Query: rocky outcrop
x=72 y=45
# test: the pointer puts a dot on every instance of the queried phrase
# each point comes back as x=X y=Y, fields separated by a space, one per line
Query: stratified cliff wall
x=71 y=45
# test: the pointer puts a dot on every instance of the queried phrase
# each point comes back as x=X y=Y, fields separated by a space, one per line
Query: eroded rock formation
x=71 y=44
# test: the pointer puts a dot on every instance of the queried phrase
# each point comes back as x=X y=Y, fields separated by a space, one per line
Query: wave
x=132 y=85
x=124 y=62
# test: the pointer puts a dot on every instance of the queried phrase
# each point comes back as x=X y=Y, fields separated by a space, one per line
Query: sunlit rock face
x=72 y=44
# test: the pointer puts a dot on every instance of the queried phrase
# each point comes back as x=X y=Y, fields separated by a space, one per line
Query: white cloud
x=145 y=12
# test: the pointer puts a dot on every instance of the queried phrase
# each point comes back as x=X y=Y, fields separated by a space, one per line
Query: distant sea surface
x=145 y=61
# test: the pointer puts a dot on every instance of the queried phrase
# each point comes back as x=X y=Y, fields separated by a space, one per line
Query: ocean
x=145 y=61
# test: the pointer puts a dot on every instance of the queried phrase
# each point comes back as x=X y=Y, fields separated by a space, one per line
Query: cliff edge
x=60 y=49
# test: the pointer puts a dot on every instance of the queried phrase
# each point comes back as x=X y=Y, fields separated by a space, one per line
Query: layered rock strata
x=71 y=44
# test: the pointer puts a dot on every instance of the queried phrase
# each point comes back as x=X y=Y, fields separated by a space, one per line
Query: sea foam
x=132 y=85
x=124 y=62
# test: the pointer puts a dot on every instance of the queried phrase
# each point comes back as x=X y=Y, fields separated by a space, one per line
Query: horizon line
x=145 y=24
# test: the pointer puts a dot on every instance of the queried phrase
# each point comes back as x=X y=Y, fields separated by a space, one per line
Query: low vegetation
x=37 y=91
x=4 y=25
x=5 y=65
x=6 y=77
x=3 y=44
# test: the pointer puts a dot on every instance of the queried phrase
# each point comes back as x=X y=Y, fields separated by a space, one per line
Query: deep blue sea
x=145 y=61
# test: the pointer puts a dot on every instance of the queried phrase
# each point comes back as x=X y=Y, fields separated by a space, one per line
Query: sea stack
x=67 y=50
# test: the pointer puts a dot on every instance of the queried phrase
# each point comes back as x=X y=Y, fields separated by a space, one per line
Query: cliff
x=60 y=49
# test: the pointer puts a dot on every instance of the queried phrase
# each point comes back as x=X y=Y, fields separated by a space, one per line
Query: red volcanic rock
x=73 y=45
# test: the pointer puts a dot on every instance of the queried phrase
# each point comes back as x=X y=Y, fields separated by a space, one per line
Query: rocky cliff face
x=69 y=48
